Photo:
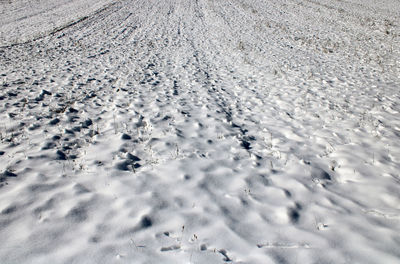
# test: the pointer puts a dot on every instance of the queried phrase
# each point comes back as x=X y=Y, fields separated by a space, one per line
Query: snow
x=199 y=131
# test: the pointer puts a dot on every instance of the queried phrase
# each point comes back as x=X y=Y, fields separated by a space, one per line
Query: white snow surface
x=200 y=131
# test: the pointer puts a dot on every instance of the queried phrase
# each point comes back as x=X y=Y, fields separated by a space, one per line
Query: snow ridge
x=199 y=131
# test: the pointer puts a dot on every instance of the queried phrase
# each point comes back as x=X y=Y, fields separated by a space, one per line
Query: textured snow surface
x=200 y=131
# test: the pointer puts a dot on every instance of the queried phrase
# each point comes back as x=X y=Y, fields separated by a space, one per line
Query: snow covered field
x=200 y=131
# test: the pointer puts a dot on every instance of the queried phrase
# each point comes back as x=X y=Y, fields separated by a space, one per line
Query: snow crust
x=199 y=131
